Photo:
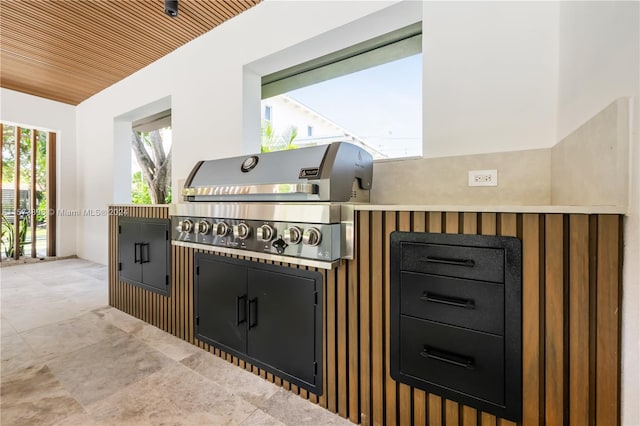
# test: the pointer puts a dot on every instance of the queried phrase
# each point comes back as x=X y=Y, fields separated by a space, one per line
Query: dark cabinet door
x=268 y=315
x=221 y=303
x=143 y=253
x=129 y=250
x=154 y=254
x=282 y=322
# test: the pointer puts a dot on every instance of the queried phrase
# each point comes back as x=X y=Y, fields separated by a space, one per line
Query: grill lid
x=338 y=172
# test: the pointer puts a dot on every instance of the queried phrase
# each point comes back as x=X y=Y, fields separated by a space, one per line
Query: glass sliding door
x=26 y=182
x=9 y=184
x=40 y=206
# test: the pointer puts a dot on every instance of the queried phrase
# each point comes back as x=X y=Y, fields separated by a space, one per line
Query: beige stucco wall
x=591 y=165
x=523 y=178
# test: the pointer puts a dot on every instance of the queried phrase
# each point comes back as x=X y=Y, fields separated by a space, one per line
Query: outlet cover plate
x=483 y=177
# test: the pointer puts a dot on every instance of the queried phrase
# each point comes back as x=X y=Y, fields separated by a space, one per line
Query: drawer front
x=475 y=263
x=477 y=305
x=453 y=358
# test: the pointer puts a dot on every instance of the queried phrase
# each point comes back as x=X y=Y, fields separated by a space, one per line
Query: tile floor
x=70 y=359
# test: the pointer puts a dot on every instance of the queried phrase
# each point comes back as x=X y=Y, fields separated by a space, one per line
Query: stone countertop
x=464 y=208
x=493 y=208
x=139 y=205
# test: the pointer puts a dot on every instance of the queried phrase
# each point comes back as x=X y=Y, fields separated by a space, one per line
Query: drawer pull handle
x=241 y=301
x=469 y=263
x=446 y=300
x=146 y=258
x=253 y=313
x=448 y=357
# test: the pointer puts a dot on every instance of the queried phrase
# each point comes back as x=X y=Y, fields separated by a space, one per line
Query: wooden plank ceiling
x=69 y=50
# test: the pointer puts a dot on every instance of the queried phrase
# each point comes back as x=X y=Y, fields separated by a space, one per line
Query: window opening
x=369 y=94
x=151 y=159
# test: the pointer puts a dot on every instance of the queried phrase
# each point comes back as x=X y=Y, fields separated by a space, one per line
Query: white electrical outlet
x=483 y=178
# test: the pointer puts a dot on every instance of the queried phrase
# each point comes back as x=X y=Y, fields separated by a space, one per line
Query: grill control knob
x=311 y=237
x=292 y=235
x=279 y=245
x=185 y=226
x=264 y=233
x=203 y=227
x=221 y=229
x=241 y=231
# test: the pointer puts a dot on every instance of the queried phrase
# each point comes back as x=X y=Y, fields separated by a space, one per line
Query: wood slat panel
x=579 y=313
x=470 y=223
x=487 y=419
x=52 y=202
x=532 y=321
x=451 y=408
x=419 y=224
x=190 y=309
x=555 y=322
x=488 y=226
x=451 y=223
x=404 y=391
x=509 y=228
x=33 y=206
x=377 y=321
x=419 y=407
x=508 y=225
x=331 y=389
x=434 y=408
x=571 y=321
x=469 y=416
x=391 y=388
x=68 y=51
x=325 y=368
x=341 y=324
x=608 y=320
x=435 y=222
x=353 y=336
x=365 y=317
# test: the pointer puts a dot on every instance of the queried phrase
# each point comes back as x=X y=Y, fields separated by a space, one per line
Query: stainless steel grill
x=290 y=206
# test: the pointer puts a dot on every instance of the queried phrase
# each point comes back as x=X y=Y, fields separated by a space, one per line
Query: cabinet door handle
x=470 y=263
x=253 y=314
x=447 y=300
x=142 y=258
x=239 y=305
x=136 y=250
x=448 y=357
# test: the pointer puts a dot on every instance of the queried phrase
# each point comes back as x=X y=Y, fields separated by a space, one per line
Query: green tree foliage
x=139 y=190
x=272 y=141
x=9 y=158
x=41 y=214
x=155 y=165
